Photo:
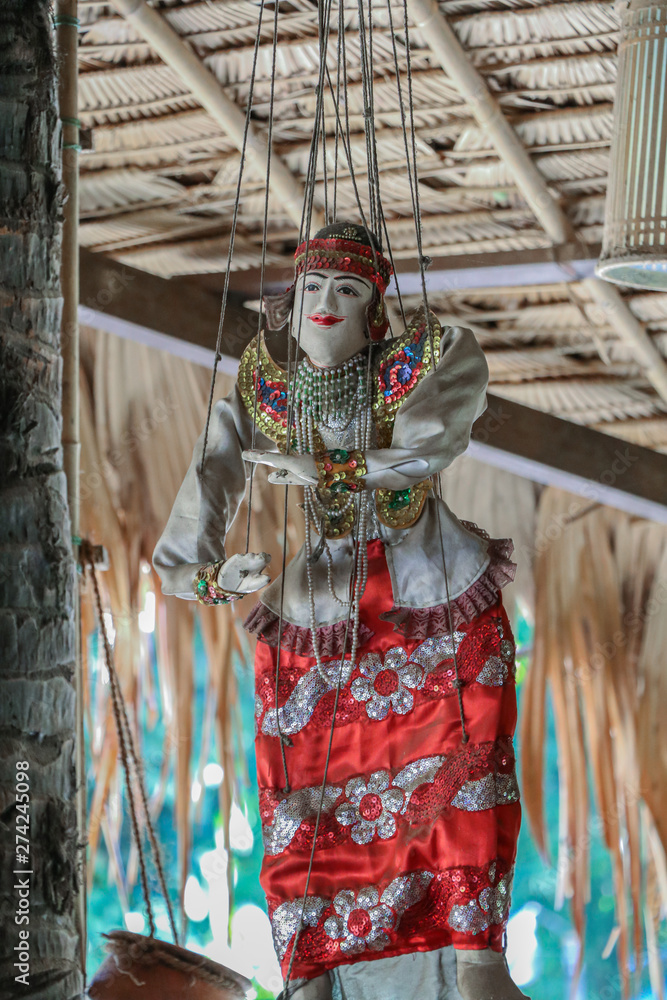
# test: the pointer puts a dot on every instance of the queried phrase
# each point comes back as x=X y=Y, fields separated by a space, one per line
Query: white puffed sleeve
x=206 y=506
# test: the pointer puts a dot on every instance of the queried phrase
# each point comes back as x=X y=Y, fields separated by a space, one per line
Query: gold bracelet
x=206 y=587
x=341 y=471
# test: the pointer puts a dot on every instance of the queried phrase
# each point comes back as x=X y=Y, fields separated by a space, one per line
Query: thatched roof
x=552 y=65
x=158 y=185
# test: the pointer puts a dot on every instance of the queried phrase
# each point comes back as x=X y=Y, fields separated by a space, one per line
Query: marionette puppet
x=385 y=695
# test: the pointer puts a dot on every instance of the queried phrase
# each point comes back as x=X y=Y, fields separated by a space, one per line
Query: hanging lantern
x=634 y=250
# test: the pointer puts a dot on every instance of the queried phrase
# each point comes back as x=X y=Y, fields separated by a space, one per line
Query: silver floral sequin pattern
x=287 y=916
x=298 y=708
x=361 y=919
x=301 y=704
x=370 y=807
x=291 y=812
x=490 y=907
x=259 y=708
x=383 y=684
x=487 y=792
x=417 y=773
x=367 y=919
x=497 y=669
x=493 y=673
x=388 y=684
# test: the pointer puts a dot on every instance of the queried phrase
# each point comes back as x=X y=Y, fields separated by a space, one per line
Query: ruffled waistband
x=263 y=623
x=411 y=623
x=431 y=623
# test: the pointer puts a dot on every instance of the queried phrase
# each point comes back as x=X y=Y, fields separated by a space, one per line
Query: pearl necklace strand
x=329 y=392
x=322 y=395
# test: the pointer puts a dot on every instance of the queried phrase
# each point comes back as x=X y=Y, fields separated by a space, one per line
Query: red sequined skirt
x=418 y=829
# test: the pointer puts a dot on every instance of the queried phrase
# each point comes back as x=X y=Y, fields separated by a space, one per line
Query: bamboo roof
x=158 y=185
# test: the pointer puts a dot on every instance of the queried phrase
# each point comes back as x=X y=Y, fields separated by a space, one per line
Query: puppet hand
x=243 y=573
x=291 y=470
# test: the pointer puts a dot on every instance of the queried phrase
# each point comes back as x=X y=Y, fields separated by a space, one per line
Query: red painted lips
x=325 y=320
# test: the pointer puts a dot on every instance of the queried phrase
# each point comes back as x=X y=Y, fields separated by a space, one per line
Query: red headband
x=344 y=255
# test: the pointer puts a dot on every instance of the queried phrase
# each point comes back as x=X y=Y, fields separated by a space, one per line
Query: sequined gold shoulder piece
x=401 y=365
x=266 y=385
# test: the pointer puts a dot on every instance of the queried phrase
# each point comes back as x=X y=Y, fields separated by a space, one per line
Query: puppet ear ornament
x=378 y=321
x=278 y=308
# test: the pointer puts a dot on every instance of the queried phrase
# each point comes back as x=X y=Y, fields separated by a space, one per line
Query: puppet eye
x=347 y=290
x=312 y=286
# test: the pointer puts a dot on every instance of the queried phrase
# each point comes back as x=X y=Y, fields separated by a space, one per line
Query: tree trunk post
x=67 y=40
x=39 y=941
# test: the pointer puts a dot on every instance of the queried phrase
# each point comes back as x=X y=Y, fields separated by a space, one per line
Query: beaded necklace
x=326 y=393
x=334 y=395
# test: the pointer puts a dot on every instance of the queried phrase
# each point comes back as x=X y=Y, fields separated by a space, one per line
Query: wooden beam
x=181 y=316
x=458 y=271
x=205 y=87
x=549 y=450
x=175 y=314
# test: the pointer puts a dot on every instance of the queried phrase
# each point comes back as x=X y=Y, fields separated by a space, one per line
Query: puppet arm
x=193 y=542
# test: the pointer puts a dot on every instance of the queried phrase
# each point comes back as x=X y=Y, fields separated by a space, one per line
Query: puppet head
x=337 y=300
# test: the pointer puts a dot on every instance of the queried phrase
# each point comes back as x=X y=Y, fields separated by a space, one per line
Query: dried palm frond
x=584 y=401
x=582 y=165
x=599 y=635
x=549 y=128
x=570 y=72
x=544 y=362
x=146 y=226
x=116 y=190
x=544 y=21
x=187 y=126
x=551 y=65
x=650 y=308
x=554 y=64
x=194 y=256
x=651 y=748
x=110 y=95
x=142 y=411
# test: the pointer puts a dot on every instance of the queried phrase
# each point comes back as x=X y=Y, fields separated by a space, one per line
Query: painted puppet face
x=333 y=318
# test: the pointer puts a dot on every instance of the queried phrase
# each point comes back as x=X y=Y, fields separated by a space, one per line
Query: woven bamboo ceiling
x=158 y=185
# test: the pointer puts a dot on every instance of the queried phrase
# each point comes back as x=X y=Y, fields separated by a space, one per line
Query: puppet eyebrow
x=350 y=277
x=339 y=277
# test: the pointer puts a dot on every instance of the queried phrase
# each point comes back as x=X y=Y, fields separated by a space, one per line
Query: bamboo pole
x=618 y=314
x=204 y=86
x=453 y=58
x=67 y=23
